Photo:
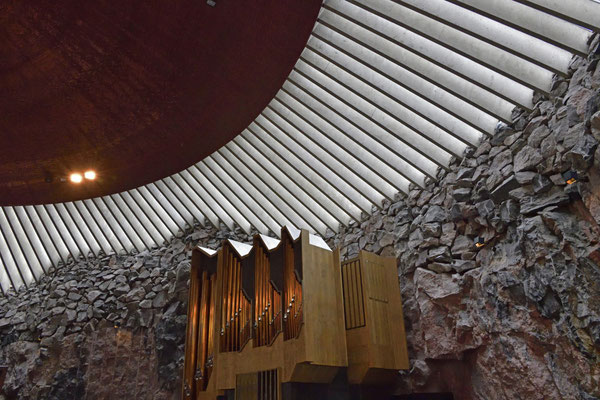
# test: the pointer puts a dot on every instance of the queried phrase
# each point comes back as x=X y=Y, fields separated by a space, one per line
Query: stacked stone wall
x=519 y=317
x=103 y=328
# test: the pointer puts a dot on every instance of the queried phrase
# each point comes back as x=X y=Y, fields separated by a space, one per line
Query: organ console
x=264 y=315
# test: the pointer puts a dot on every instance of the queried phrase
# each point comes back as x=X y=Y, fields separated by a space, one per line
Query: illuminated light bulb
x=90 y=175
x=570 y=177
x=76 y=178
x=479 y=242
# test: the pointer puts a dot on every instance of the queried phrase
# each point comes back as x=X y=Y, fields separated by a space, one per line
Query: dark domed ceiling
x=135 y=90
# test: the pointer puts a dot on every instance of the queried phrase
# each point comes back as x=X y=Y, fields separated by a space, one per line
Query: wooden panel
x=310 y=373
x=378 y=302
x=246 y=387
x=379 y=287
x=377 y=349
x=384 y=317
x=262 y=385
x=323 y=306
x=354 y=308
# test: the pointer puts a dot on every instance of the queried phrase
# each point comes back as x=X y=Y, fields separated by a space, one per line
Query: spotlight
x=76 y=178
x=211 y=3
x=479 y=242
x=570 y=177
x=90 y=175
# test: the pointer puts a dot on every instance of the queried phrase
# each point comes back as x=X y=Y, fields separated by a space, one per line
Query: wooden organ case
x=288 y=311
x=375 y=332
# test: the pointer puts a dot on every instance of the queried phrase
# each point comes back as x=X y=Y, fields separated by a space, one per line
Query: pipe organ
x=265 y=315
x=292 y=275
x=268 y=288
x=236 y=307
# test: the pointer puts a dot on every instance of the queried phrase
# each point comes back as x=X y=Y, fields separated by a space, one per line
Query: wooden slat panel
x=268 y=385
x=354 y=293
x=354 y=308
x=360 y=294
x=347 y=314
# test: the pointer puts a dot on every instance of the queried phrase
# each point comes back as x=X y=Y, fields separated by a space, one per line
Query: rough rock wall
x=103 y=329
x=518 y=318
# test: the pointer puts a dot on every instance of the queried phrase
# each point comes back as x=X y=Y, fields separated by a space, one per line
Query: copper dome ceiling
x=136 y=90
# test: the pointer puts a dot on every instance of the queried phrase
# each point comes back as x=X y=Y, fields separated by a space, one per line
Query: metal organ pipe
x=292 y=315
x=267 y=304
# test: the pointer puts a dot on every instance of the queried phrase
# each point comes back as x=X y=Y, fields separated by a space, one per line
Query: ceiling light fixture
x=75 y=178
x=90 y=175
